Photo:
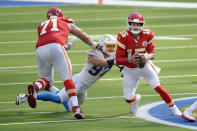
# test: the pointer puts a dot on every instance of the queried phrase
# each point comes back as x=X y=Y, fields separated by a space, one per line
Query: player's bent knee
x=155 y=84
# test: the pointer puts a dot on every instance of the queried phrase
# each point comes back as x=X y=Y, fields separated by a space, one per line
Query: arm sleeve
x=121 y=54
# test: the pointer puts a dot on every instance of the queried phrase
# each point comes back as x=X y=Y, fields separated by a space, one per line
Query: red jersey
x=126 y=42
x=54 y=30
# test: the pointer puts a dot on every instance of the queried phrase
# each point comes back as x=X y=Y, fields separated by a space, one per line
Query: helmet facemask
x=137 y=28
x=109 y=48
x=109 y=44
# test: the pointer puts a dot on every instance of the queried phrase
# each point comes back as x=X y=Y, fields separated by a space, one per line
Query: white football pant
x=53 y=55
x=132 y=76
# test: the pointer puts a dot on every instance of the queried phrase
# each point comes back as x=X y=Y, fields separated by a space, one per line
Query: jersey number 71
x=46 y=23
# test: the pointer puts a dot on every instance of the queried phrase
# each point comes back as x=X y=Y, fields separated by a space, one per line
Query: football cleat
x=78 y=114
x=188 y=115
x=33 y=91
x=21 y=98
x=134 y=105
x=176 y=111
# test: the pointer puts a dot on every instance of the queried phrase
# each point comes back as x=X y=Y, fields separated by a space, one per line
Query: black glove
x=99 y=47
x=110 y=62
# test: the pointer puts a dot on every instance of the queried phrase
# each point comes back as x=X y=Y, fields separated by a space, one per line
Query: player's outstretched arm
x=82 y=35
x=95 y=60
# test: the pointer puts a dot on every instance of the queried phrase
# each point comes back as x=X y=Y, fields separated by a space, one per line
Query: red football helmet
x=54 y=11
x=138 y=19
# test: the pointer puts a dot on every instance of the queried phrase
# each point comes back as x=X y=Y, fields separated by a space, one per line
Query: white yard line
x=3 y=110
x=95 y=37
x=84 y=51
x=60 y=121
x=100 y=98
x=108 y=28
x=156 y=61
x=106 y=79
x=101 y=19
x=82 y=11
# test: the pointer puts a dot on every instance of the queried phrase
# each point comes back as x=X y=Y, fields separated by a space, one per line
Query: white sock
x=70 y=105
x=193 y=107
x=74 y=101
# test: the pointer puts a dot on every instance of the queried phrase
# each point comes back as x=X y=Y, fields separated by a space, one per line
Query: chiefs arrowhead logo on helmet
x=135 y=22
x=54 y=11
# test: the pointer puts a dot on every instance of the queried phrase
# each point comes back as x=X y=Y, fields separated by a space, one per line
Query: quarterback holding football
x=135 y=51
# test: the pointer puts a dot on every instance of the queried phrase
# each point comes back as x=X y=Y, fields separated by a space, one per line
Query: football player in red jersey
x=135 y=51
x=50 y=53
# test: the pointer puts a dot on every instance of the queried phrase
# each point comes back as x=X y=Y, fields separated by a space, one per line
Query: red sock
x=70 y=88
x=45 y=84
x=164 y=95
x=129 y=101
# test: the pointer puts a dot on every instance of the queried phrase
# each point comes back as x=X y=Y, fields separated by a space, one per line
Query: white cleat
x=134 y=105
x=21 y=98
x=188 y=115
x=175 y=110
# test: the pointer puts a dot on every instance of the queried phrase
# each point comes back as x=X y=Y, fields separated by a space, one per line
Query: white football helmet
x=109 y=44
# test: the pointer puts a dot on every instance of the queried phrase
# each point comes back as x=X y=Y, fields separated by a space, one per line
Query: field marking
x=106 y=79
x=84 y=51
x=96 y=37
x=143 y=112
x=169 y=37
x=82 y=11
x=155 y=61
x=100 y=19
x=60 y=121
x=107 y=97
x=108 y=28
x=14 y=109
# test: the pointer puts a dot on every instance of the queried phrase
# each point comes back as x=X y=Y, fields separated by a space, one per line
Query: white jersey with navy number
x=87 y=77
x=91 y=73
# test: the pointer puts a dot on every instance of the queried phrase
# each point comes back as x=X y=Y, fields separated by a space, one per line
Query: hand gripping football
x=140 y=60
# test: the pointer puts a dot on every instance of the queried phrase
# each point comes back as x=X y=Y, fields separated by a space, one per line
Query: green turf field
x=175 y=39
